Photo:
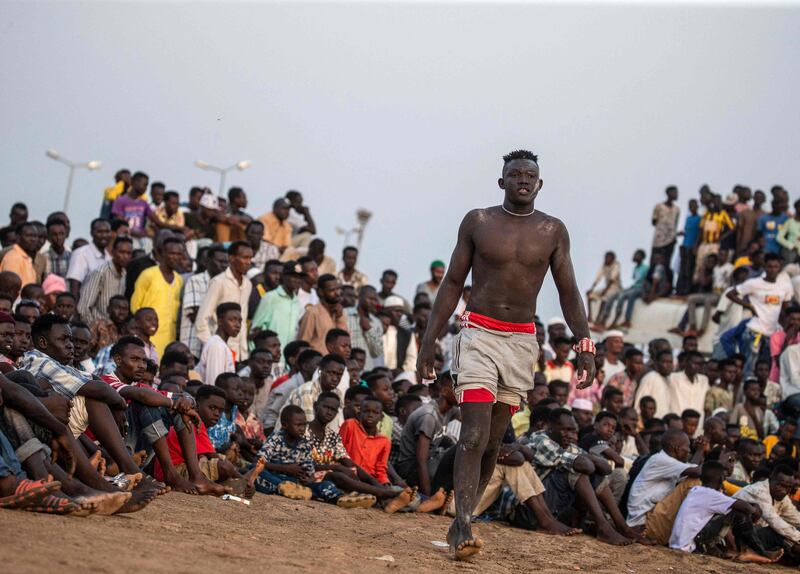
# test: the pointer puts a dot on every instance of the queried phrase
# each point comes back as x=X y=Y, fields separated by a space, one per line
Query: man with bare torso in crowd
x=509 y=249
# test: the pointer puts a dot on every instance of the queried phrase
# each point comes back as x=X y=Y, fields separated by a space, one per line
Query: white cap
x=556 y=321
x=394 y=301
x=615 y=333
x=409 y=376
x=209 y=201
x=582 y=404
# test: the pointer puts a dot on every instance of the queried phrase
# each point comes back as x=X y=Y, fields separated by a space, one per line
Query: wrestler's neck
x=524 y=209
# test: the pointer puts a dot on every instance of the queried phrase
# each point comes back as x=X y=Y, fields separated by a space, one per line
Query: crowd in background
x=195 y=347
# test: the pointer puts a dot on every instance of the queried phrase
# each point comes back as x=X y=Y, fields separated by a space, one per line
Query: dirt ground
x=180 y=533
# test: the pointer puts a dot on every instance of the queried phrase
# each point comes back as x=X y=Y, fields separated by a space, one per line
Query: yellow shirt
x=152 y=290
x=113 y=192
x=175 y=219
x=19 y=262
x=712 y=226
x=276 y=232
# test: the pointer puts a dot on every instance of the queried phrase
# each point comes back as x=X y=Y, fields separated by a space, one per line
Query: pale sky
x=405 y=109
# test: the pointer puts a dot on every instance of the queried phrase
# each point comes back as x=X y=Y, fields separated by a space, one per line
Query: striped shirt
x=65 y=380
x=712 y=226
x=98 y=289
x=193 y=295
x=370 y=340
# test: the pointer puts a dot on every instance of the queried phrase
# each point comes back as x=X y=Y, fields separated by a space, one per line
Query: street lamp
x=241 y=166
x=90 y=165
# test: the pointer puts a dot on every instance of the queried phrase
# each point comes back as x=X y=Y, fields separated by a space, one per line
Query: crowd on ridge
x=196 y=348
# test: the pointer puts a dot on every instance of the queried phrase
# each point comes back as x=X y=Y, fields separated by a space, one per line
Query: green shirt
x=789 y=235
x=279 y=312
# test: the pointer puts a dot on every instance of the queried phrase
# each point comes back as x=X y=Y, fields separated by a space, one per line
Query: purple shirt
x=134 y=211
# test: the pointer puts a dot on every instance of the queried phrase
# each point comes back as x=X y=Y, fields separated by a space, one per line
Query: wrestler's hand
x=586 y=370
x=425 y=363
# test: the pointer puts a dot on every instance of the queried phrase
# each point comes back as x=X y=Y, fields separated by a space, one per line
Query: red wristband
x=585 y=345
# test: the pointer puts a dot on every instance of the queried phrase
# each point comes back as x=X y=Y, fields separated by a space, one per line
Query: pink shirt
x=775 y=346
x=593 y=392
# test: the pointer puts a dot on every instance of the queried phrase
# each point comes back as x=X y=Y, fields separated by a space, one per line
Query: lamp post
x=90 y=165
x=222 y=171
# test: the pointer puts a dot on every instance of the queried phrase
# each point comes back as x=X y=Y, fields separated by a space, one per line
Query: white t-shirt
x=767 y=299
x=699 y=506
x=611 y=369
x=215 y=359
x=653 y=384
x=656 y=480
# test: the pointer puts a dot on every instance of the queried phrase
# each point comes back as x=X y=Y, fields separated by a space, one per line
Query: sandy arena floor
x=180 y=533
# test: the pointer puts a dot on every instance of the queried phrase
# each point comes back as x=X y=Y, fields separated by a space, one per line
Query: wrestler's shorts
x=494 y=360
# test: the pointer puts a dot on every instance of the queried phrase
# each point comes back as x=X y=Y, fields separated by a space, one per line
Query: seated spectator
x=626 y=380
x=780 y=520
x=381 y=387
x=331 y=369
x=647 y=410
x=609 y=275
x=627 y=296
x=583 y=411
x=690 y=419
x=521 y=419
x=750 y=456
x=423 y=443
x=755 y=422
x=633 y=444
x=223 y=434
x=655 y=384
x=661 y=474
x=559 y=390
x=569 y=474
x=786 y=433
x=307 y=364
x=612 y=401
x=593 y=392
x=707 y=513
x=559 y=369
x=248 y=423
x=719 y=395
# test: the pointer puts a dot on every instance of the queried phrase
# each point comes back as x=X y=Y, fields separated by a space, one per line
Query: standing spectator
x=715 y=224
x=767 y=297
x=193 y=294
x=303 y=226
x=18 y=214
x=326 y=315
x=431 y=287
x=658 y=283
x=132 y=208
x=615 y=346
x=702 y=294
x=279 y=310
x=388 y=283
x=263 y=250
x=691 y=235
x=19 y=259
x=665 y=221
x=399 y=347
x=230 y=286
x=58 y=253
x=307 y=294
x=688 y=388
x=619 y=300
x=366 y=330
x=122 y=181
x=769 y=224
x=748 y=222
x=789 y=236
x=609 y=275
x=277 y=229
x=655 y=384
x=325 y=264
x=349 y=275
x=105 y=282
x=86 y=259
x=167 y=215
x=783 y=338
x=217 y=356
x=159 y=287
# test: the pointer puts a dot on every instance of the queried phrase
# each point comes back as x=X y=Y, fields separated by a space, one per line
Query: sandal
x=28 y=491
x=294 y=491
x=355 y=500
x=52 y=504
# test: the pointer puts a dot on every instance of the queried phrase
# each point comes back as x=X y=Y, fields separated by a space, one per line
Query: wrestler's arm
x=448 y=295
x=571 y=302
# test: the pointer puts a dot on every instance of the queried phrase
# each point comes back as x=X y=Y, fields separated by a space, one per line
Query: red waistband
x=470 y=320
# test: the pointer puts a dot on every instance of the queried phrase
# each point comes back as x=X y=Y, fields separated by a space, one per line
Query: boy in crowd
x=719 y=396
x=250 y=431
x=690 y=419
x=754 y=420
x=260 y=364
x=381 y=387
x=647 y=411
x=559 y=369
x=223 y=433
x=403 y=408
x=612 y=400
x=559 y=390
x=750 y=456
x=307 y=363
x=217 y=357
x=331 y=369
x=705 y=515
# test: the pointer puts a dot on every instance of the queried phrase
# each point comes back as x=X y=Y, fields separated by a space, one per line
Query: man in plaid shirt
x=569 y=474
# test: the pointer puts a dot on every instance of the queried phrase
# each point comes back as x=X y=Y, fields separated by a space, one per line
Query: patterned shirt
x=220 y=433
x=65 y=380
x=304 y=397
x=666 y=224
x=626 y=384
x=266 y=251
x=193 y=294
x=251 y=426
x=371 y=340
x=104 y=333
x=58 y=264
x=98 y=289
x=548 y=455
x=104 y=363
x=277 y=450
x=328 y=449
x=357 y=280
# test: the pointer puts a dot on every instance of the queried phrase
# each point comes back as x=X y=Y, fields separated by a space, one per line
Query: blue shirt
x=640 y=274
x=768 y=226
x=691 y=230
x=220 y=433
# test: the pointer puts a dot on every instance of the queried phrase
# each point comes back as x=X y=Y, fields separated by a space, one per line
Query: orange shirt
x=276 y=232
x=19 y=262
x=369 y=452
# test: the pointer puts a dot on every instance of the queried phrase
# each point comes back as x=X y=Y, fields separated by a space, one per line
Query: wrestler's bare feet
x=206 y=487
x=150 y=483
x=558 y=528
x=133 y=480
x=638 y=537
x=180 y=484
x=462 y=542
x=611 y=536
x=138 y=500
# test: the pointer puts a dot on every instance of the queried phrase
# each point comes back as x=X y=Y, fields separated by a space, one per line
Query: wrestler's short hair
x=520 y=154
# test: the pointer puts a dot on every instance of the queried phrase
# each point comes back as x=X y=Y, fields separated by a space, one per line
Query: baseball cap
x=209 y=201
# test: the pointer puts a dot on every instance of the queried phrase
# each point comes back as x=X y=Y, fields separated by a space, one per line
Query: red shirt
x=369 y=452
x=201 y=439
x=279 y=381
